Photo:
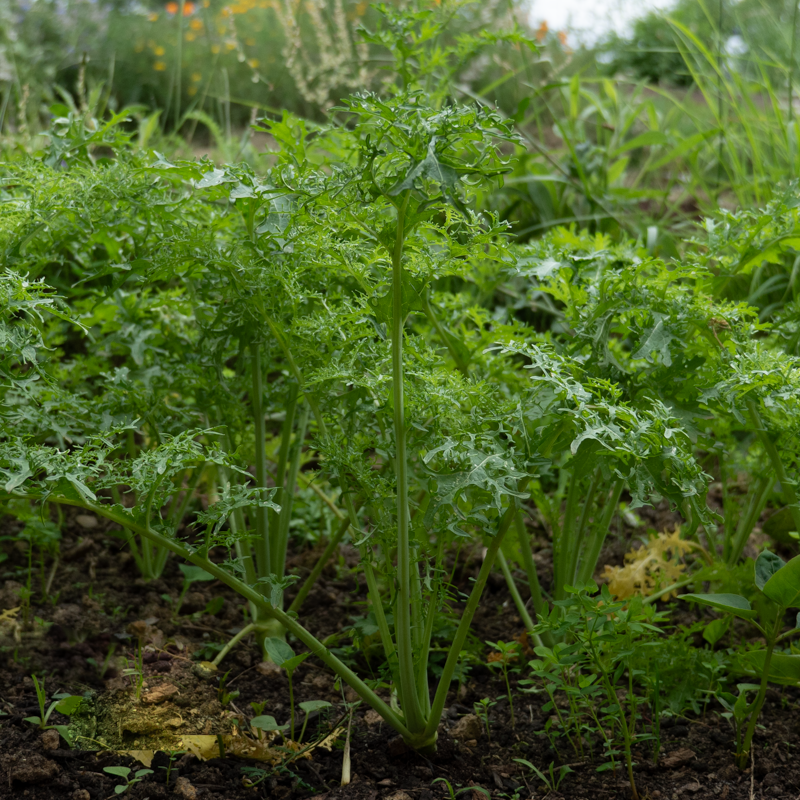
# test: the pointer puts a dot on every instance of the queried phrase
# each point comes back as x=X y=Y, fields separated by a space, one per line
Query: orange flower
x=562 y=37
x=172 y=8
x=542 y=31
x=196 y=24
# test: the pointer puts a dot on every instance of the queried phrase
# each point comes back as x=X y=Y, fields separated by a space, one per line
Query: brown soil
x=99 y=601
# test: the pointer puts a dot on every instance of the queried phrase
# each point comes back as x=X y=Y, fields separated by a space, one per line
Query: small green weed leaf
x=278 y=650
x=120 y=772
x=314 y=705
x=140 y=773
x=34 y=720
x=767 y=565
x=65 y=732
x=731 y=603
x=784 y=586
x=266 y=722
x=473 y=789
x=69 y=705
x=214 y=606
x=716 y=629
x=192 y=573
x=291 y=664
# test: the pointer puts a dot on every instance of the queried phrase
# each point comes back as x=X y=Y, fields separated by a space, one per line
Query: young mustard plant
x=506 y=652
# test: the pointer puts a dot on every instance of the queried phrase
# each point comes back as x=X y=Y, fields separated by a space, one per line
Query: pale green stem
x=259 y=513
x=762 y=691
x=380 y=617
x=517 y=598
x=405 y=649
x=566 y=541
x=287 y=496
x=244 y=632
x=283 y=452
x=417 y=624
x=589 y=563
x=423 y=689
x=539 y=605
x=732 y=548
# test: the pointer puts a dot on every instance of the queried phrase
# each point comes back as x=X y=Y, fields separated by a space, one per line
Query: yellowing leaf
x=651 y=567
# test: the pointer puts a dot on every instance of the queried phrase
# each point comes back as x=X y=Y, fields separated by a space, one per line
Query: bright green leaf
x=278 y=650
x=784 y=586
x=767 y=564
x=731 y=603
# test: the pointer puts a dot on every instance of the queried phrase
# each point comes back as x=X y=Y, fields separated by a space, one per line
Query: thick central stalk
x=259 y=513
x=411 y=704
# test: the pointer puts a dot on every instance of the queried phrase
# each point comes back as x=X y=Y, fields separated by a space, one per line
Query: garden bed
x=98 y=603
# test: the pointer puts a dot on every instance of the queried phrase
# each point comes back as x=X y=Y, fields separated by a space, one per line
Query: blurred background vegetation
x=643 y=132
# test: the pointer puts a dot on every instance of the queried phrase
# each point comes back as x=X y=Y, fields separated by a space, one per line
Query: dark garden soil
x=100 y=598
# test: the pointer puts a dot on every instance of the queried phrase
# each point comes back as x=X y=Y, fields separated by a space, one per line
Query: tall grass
x=651 y=159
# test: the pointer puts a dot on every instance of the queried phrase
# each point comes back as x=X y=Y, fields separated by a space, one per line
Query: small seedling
x=173 y=755
x=283 y=655
x=266 y=723
x=135 y=671
x=506 y=653
x=63 y=703
x=482 y=712
x=554 y=780
x=223 y=695
x=124 y=773
x=453 y=793
x=308 y=707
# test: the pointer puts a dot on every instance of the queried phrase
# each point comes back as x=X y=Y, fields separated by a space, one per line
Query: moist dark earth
x=98 y=611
